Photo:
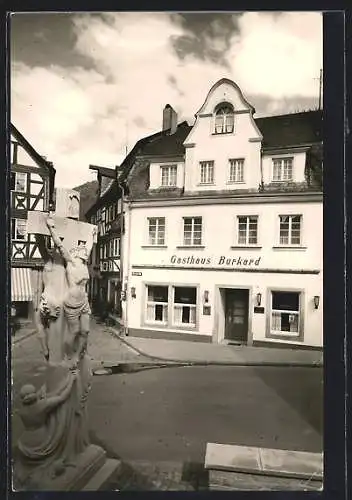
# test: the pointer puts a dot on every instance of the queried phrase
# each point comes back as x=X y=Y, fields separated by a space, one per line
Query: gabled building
x=32 y=188
x=223 y=226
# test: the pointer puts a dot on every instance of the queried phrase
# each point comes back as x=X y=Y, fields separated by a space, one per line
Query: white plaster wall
x=23 y=158
x=220 y=232
x=220 y=148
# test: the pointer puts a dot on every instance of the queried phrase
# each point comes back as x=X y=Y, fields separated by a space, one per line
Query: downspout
x=52 y=173
x=123 y=247
x=127 y=265
x=261 y=186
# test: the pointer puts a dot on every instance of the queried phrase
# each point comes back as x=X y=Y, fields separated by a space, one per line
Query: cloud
x=78 y=116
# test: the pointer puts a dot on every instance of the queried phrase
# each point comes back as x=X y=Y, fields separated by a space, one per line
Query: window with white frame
x=19 y=182
x=247 y=230
x=111 y=248
x=285 y=313
x=290 y=229
x=184 y=306
x=116 y=247
x=224 y=119
x=192 y=231
x=156 y=230
x=168 y=175
x=206 y=172
x=157 y=304
x=282 y=169
x=236 y=170
x=19 y=229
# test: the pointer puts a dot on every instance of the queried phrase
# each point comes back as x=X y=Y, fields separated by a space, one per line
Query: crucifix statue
x=54 y=449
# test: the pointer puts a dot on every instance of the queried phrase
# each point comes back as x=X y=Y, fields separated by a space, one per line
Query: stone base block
x=102 y=476
x=74 y=477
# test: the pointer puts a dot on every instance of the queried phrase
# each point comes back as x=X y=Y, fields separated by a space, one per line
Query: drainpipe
x=261 y=186
x=127 y=273
x=123 y=248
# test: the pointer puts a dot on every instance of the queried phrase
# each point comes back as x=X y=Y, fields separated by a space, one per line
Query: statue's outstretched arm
x=53 y=401
x=57 y=242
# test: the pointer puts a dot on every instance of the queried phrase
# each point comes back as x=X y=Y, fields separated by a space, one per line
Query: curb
x=17 y=341
x=216 y=363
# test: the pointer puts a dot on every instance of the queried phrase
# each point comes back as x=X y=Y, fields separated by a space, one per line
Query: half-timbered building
x=105 y=288
x=32 y=188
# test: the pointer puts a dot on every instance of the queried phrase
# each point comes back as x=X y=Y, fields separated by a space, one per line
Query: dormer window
x=282 y=169
x=224 y=119
x=169 y=176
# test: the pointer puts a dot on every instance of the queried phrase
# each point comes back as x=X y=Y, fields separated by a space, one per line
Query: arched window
x=224 y=119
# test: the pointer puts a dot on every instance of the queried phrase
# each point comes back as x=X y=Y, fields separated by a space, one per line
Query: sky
x=86 y=87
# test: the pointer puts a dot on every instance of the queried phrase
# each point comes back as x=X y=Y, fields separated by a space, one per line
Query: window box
x=246 y=247
x=154 y=246
x=187 y=247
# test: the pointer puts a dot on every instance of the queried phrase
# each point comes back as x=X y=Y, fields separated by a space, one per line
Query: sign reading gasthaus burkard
x=220 y=260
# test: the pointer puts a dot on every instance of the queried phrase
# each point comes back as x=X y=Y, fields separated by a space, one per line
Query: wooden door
x=236 y=315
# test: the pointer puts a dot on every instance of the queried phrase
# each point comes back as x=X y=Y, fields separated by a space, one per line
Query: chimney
x=169 y=119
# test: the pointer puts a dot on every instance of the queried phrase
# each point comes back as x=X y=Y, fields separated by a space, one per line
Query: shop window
x=247 y=230
x=290 y=229
x=192 y=231
x=285 y=313
x=157 y=304
x=185 y=306
x=156 y=231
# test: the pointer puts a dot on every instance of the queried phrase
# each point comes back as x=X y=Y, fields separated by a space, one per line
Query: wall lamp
x=316 y=301
x=206 y=296
x=259 y=299
x=133 y=292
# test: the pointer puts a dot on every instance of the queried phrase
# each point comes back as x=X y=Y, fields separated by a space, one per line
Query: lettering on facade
x=221 y=260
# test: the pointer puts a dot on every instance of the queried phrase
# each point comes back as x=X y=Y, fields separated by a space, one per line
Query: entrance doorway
x=236 y=314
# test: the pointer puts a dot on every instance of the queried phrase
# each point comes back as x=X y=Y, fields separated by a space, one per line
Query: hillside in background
x=88 y=192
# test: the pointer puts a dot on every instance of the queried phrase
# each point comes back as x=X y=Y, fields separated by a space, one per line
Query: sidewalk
x=107 y=347
x=214 y=354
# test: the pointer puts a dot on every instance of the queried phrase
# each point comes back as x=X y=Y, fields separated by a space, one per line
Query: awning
x=21 y=288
